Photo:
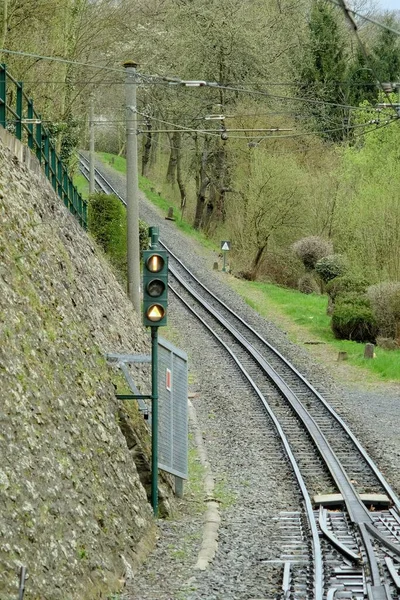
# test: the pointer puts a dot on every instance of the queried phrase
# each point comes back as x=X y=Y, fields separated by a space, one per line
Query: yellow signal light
x=155 y=263
x=155 y=313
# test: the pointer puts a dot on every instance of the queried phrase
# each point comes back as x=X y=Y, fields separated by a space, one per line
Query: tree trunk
x=222 y=176
x=203 y=183
x=5 y=24
x=179 y=179
x=173 y=157
x=146 y=149
x=257 y=261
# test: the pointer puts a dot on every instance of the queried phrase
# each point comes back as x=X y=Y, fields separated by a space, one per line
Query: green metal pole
x=45 y=136
x=30 y=125
x=39 y=141
x=3 y=95
x=20 y=96
x=154 y=420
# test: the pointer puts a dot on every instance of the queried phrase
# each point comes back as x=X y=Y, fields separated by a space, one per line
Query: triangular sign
x=225 y=246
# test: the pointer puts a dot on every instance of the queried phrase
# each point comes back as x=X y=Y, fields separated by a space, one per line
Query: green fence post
x=39 y=140
x=53 y=167
x=76 y=201
x=85 y=214
x=30 y=125
x=70 y=192
x=65 y=187
x=20 y=96
x=60 y=178
x=3 y=95
x=46 y=148
x=80 y=204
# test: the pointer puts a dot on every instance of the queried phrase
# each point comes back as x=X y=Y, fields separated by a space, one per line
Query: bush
x=107 y=221
x=107 y=224
x=281 y=268
x=311 y=249
x=387 y=343
x=308 y=285
x=383 y=301
x=353 y=319
x=331 y=266
x=143 y=235
x=346 y=284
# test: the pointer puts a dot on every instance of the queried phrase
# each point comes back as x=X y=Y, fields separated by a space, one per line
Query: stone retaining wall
x=72 y=507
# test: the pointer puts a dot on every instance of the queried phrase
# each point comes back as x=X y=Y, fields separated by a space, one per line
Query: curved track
x=360 y=547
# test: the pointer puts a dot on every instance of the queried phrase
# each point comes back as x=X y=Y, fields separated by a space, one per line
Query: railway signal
x=155 y=287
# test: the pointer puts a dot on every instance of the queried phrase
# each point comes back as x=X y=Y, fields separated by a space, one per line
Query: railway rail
x=351 y=531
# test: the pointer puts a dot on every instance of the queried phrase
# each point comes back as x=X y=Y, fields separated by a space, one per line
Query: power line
x=152 y=79
x=357 y=14
x=61 y=60
x=177 y=126
x=346 y=11
x=307 y=133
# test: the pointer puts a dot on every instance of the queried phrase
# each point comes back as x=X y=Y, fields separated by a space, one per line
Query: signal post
x=155 y=300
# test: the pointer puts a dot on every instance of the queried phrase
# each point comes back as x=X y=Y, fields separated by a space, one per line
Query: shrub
x=143 y=235
x=311 y=249
x=346 y=284
x=353 y=319
x=395 y=305
x=387 y=343
x=307 y=284
x=383 y=301
x=107 y=222
x=331 y=266
x=281 y=268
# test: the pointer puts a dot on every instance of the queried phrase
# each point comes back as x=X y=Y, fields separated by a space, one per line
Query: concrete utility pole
x=91 y=147
x=132 y=193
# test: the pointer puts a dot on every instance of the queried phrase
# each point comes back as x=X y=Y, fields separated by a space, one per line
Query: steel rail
x=355 y=507
x=388 y=489
x=99 y=178
x=354 y=504
x=316 y=544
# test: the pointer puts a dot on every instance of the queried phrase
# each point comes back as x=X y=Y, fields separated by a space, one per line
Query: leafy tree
x=386 y=52
x=362 y=84
x=368 y=208
x=270 y=208
x=323 y=72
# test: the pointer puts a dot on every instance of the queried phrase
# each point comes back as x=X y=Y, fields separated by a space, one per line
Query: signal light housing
x=155 y=288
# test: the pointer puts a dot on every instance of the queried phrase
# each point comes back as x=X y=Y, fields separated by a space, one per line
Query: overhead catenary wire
x=308 y=133
x=348 y=13
x=366 y=18
x=61 y=60
x=176 y=81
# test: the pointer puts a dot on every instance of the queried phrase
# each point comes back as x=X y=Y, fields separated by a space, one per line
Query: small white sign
x=225 y=245
x=168 y=379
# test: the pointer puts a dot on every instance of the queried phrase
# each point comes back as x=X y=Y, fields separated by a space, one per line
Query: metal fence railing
x=18 y=116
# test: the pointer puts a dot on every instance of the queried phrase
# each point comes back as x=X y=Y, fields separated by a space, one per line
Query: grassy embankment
x=82 y=185
x=303 y=316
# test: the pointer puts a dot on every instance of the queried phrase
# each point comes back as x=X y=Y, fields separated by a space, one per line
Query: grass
x=82 y=185
x=307 y=314
x=148 y=187
x=304 y=315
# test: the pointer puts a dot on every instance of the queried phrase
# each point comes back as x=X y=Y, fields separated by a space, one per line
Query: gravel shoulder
x=237 y=456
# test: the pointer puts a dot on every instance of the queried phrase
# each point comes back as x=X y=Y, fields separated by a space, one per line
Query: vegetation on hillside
x=287 y=142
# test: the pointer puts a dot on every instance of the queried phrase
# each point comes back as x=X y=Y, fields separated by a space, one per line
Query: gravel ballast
x=253 y=481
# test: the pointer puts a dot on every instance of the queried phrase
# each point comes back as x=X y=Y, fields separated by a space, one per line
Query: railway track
x=349 y=523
